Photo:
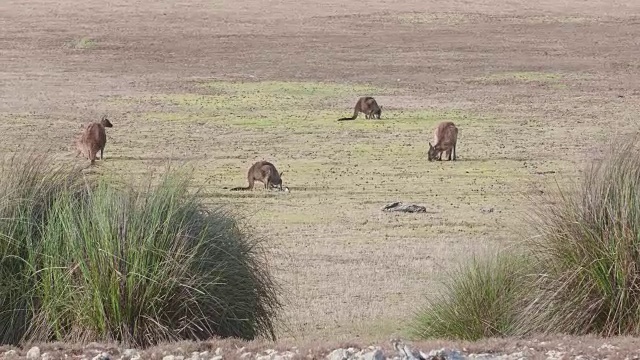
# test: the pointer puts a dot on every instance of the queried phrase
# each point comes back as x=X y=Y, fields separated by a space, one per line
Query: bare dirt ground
x=536 y=88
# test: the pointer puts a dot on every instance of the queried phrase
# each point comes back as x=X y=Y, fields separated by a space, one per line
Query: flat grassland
x=537 y=89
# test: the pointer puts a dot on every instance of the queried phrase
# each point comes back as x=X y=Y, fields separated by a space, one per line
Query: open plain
x=537 y=90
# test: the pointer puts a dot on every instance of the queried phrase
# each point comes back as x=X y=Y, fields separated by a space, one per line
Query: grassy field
x=537 y=90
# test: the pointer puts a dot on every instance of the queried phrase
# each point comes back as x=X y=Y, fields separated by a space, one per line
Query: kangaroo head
x=378 y=112
x=105 y=122
x=432 y=153
x=278 y=182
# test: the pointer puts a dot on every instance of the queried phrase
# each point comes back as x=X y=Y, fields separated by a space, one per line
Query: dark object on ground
x=410 y=208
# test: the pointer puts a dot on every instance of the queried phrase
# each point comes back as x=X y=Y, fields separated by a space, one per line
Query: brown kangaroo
x=266 y=173
x=368 y=106
x=93 y=139
x=445 y=138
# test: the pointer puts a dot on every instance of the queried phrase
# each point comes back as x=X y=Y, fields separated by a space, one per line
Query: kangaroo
x=445 y=138
x=93 y=139
x=368 y=106
x=266 y=173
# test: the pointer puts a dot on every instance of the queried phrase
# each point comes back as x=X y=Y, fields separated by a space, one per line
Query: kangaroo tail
x=239 y=188
x=355 y=115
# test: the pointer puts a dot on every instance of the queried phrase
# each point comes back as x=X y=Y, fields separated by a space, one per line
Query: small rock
x=487 y=209
x=263 y=357
x=10 y=354
x=554 y=355
x=373 y=355
x=285 y=356
x=607 y=347
x=338 y=354
x=217 y=357
x=46 y=356
x=245 y=355
x=204 y=354
x=195 y=356
x=443 y=354
x=410 y=208
x=218 y=351
x=129 y=354
x=102 y=356
x=33 y=353
x=169 y=357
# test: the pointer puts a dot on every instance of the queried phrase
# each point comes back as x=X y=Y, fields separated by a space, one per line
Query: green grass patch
x=99 y=260
x=259 y=98
x=291 y=90
x=300 y=107
x=84 y=43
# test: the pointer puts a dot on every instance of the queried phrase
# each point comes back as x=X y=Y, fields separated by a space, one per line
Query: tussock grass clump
x=28 y=189
x=589 y=244
x=583 y=272
x=97 y=261
x=480 y=299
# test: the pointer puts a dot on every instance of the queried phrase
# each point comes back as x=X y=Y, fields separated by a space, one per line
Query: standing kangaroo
x=445 y=138
x=368 y=106
x=266 y=173
x=93 y=139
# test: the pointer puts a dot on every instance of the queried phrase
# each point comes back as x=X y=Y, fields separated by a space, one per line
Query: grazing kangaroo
x=266 y=173
x=93 y=139
x=445 y=138
x=368 y=106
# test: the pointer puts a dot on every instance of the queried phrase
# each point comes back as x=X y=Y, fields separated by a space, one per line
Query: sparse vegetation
x=586 y=260
x=99 y=261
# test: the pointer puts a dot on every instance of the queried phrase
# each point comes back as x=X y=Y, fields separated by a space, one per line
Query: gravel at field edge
x=562 y=347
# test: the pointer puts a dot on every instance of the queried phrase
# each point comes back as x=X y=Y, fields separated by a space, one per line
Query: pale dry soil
x=537 y=89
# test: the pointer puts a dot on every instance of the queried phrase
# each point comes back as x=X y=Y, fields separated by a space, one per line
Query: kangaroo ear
x=380 y=107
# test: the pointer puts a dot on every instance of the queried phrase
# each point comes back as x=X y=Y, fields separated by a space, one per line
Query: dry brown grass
x=533 y=87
